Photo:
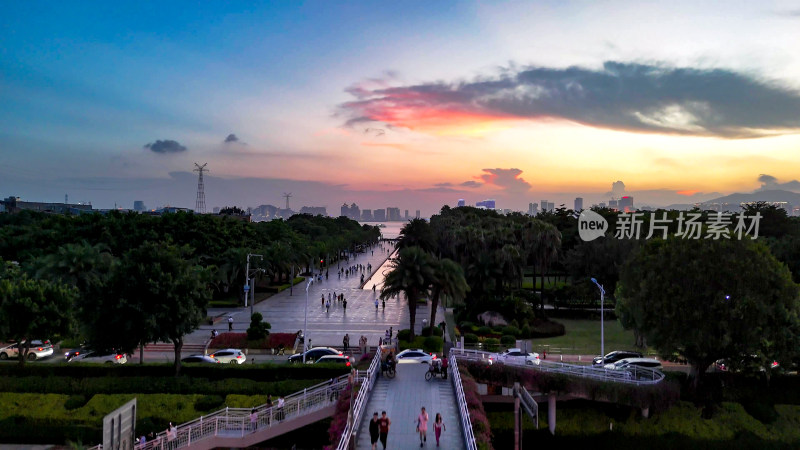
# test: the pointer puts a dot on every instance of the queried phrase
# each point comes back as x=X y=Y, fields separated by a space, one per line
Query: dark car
x=614 y=357
x=314 y=354
x=199 y=359
x=334 y=359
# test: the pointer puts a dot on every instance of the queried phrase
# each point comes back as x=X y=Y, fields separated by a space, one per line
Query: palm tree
x=417 y=233
x=448 y=279
x=411 y=274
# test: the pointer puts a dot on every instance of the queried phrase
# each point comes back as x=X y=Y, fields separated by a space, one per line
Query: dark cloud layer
x=769 y=183
x=471 y=184
x=621 y=96
x=231 y=138
x=165 y=146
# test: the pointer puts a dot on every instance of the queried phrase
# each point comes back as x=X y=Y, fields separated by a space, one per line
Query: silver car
x=100 y=357
x=38 y=350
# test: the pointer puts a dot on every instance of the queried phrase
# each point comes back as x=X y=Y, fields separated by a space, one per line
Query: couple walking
x=422 y=427
x=379 y=428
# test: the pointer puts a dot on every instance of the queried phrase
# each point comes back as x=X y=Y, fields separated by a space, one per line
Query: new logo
x=591 y=225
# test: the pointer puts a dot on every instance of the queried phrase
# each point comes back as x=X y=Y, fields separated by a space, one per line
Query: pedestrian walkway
x=285 y=311
x=402 y=397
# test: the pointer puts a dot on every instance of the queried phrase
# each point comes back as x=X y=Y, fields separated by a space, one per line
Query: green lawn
x=583 y=337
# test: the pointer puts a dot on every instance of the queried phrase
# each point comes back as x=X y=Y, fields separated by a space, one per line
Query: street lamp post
x=251 y=289
x=602 y=334
x=305 y=321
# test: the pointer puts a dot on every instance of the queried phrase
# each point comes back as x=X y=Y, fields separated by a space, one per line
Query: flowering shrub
x=477 y=415
x=229 y=340
x=339 y=421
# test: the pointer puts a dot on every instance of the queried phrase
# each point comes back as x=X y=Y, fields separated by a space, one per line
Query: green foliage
x=410 y=274
x=258 y=329
x=35 y=309
x=484 y=330
x=432 y=331
x=470 y=338
x=525 y=332
x=512 y=330
x=74 y=401
x=209 y=403
x=508 y=340
x=710 y=299
x=432 y=344
x=404 y=335
x=492 y=344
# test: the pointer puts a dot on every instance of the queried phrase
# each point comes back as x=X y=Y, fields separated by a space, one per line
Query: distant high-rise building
x=138 y=205
x=461 y=202
x=366 y=215
x=379 y=215
x=393 y=214
x=314 y=210
x=543 y=203
x=578 y=204
x=406 y=215
x=417 y=216
x=625 y=204
x=216 y=210
x=533 y=209
x=612 y=204
x=345 y=210
x=488 y=204
x=355 y=212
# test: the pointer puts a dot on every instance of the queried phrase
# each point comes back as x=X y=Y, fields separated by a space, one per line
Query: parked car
x=203 y=359
x=107 y=357
x=337 y=359
x=229 y=356
x=76 y=351
x=516 y=355
x=314 y=354
x=615 y=356
x=39 y=349
x=415 y=356
x=632 y=363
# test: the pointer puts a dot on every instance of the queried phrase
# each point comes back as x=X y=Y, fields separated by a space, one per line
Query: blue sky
x=84 y=87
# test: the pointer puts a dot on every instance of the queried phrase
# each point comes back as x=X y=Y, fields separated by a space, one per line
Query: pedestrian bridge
x=232 y=428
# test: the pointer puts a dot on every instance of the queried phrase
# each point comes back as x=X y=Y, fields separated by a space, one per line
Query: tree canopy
x=711 y=299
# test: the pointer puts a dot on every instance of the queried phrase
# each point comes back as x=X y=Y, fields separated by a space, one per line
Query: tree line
x=122 y=280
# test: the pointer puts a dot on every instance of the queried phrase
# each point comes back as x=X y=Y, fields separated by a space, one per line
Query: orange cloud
x=687 y=193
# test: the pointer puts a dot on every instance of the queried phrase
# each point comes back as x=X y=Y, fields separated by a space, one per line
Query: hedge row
x=257 y=372
x=54 y=418
x=151 y=385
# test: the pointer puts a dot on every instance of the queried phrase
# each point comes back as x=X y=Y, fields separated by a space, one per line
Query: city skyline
x=114 y=103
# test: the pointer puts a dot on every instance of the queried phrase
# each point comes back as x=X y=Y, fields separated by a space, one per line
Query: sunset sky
x=407 y=104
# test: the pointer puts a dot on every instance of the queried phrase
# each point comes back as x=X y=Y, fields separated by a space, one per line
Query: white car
x=229 y=355
x=92 y=356
x=517 y=356
x=415 y=356
x=38 y=350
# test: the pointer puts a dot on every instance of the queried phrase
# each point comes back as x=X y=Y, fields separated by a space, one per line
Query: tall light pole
x=602 y=334
x=251 y=289
x=305 y=322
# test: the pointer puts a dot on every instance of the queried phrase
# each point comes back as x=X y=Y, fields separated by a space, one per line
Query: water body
x=391 y=230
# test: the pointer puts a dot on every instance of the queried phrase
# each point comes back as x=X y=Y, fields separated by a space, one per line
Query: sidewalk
x=286 y=312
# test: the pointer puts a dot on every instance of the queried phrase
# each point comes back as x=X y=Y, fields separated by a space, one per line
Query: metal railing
x=357 y=407
x=634 y=375
x=463 y=410
x=236 y=422
x=529 y=405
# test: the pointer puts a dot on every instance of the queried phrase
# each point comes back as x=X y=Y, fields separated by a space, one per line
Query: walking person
x=422 y=426
x=346 y=341
x=383 y=428
x=376 y=304
x=344 y=304
x=253 y=419
x=373 y=430
x=328 y=306
x=230 y=323
x=438 y=427
x=280 y=408
x=384 y=304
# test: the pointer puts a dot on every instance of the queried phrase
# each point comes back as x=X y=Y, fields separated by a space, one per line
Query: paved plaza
x=402 y=397
x=285 y=311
